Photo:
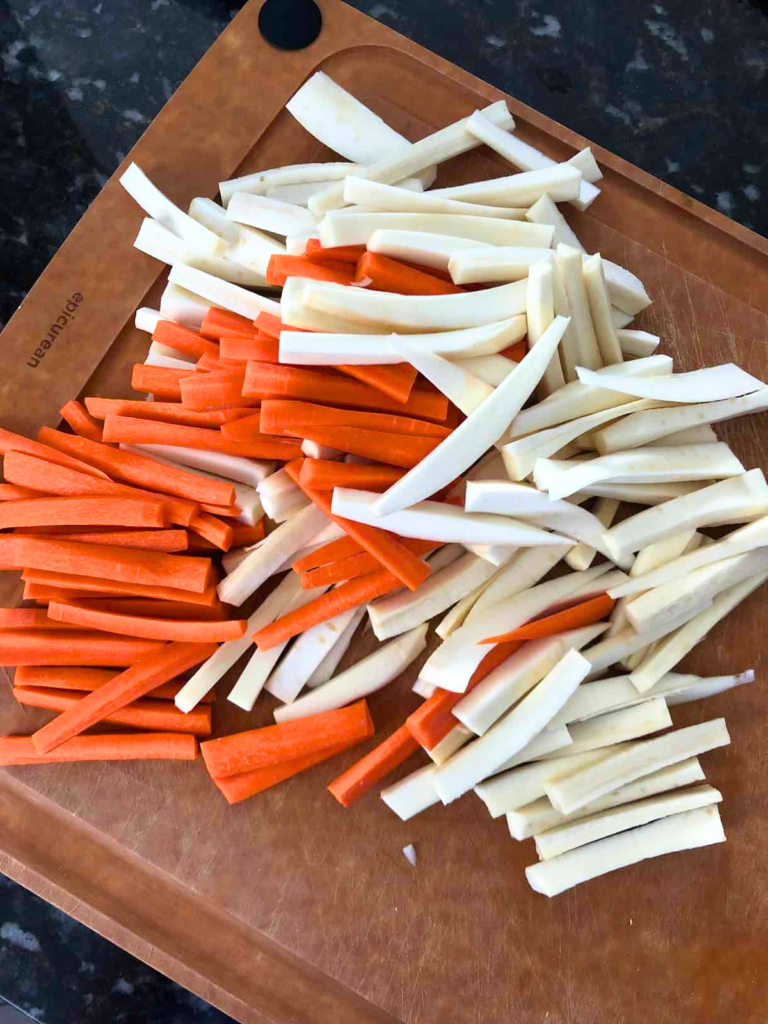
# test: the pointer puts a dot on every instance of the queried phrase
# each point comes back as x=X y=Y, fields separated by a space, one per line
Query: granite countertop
x=679 y=88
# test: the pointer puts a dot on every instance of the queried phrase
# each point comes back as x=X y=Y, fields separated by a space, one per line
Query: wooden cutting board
x=289 y=908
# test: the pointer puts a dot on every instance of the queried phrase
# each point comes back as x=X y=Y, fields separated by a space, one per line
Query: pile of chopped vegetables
x=442 y=417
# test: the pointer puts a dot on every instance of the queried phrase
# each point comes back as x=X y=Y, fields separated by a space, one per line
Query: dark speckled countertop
x=679 y=88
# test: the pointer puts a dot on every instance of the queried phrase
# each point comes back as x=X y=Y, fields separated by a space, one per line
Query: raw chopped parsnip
x=582 y=555
x=219 y=465
x=545 y=211
x=560 y=182
x=465 y=389
x=294 y=174
x=183 y=306
x=540 y=312
x=713 y=383
x=580 y=349
x=498 y=264
x=271 y=215
x=618 y=726
x=548 y=741
x=429 y=250
x=600 y=311
x=413 y=794
x=492 y=369
x=161 y=244
x=636 y=344
x=327 y=667
x=222 y=293
x=457 y=738
x=525 y=570
x=355 y=227
x=373 y=195
x=246 y=245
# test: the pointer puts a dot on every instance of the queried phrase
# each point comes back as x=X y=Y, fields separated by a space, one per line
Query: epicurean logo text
x=62 y=320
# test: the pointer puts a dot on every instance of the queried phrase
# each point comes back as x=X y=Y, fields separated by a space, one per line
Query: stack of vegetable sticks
x=413 y=422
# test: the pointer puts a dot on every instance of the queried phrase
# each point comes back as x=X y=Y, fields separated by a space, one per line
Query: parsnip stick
x=234 y=468
x=271 y=215
x=147 y=319
x=499 y=264
x=246 y=246
x=618 y=726
x=711 y=384
x=413 y=794
x=457 y=738
x=545 y=211
x=560 y=182
x=600 y=311
x=636 y=344
x=295 y=312
x=222 y=293
x=161 y=244
x=639 y=494
x=540 y=312
x=183 y=306
x=373 y=195
x=525 y=570
x=582 y=555
x=491 y=369
x=327 y=667
x=548 y=741
x=583 y=350
x=665 y=551
x=293 y=174
x=426 y=248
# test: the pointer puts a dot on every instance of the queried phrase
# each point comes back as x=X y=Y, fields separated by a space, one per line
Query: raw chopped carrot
x=349 y=595
x=315 y=253
x=209 y=364
x=432 y=722
x=16 y=443
x=218 y=322
x=575 y=617
x=151 y=715
x=28 y=618
x=184 y=340
x=167 y=412
x=11 y=492
x=281 y=267
x=146 y=606
x=8 y=553
x=80 y=420
x=276 y=744
x=265 y=380
x=333 y=551
x=289 y=417
x=246 y=429
x=72 y=647
x=271 y=325
x=169 y=541
x=357 y=565
x=376 y=765
x=395 y=380
x=384 y=547
x=96 y=584
x=126 y=746
x=228 y=511
x=128 y=565
x=213 y=529
x=82 y=512
x=86 y=679
x=432 y=271
x=263 y=349
x=140 y=471
x=152 y=671
x=161 y=381
x=42 y=595
x=240 y=787
x=515 y=352
x=83 y=614
x=130 y=430
x=243 y=534
x=383 y=274
x=324 y=475
x=405 y=450
x=221 y=389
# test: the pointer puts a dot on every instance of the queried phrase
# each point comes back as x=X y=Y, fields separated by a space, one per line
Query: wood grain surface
x=288 y=908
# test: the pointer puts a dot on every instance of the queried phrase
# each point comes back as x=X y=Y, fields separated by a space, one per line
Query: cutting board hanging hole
x=290 y=24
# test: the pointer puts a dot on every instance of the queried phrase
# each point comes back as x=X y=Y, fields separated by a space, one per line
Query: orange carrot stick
x=151 y=715
x=8 y=553
x=384 y=547
x=120 y=747
x=357 y=565
x=575 y=617
x=281 y=267
x=395 y=380
x=149 y=673
x=220 y=322
x=16 y=443
x=42 y=595
x=276 y=744
x=240 y=787
x=134 y=431
x=83 y=614
x=247 y=429
x=315 y=253
x=169 y=541
x=184 y=340
x=167 y=412
x=287 y=417
x=333 y=551
x=86 y=679
x=96 y=584
x=127 y=565
x=324 y=475
x=140 y=471
x=222 y=388
x=213 y=529
x=262 y=349
x=11 y=492
x=72 y=647
x=515 y=352
x=80 y=420
x=145 y=606
x=382 y=274
x=209 y=364
x=82 y=512
x=404 y=450
x=242 y=535
x=29 y=618
x=265 y=380
x=161 y=381
x=376 y=765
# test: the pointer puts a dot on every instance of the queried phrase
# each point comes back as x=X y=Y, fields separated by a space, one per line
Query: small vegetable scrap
x=370 y=400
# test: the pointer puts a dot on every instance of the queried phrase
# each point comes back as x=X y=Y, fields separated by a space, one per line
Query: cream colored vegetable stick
x=512 y=733
x=500 y=264
x=584 y=351
x=545 y=211
x=586 y=163
x=692 y=435
x=625 y=289
x=667 y=654
x=246 y=246
x=619 y=726
x=617 y=647
x=539 y=815
x=403 y=163
x=327 y=667
x=183 y=306
x=561 y=182
x=413 y=794
x=491 y=369
x=222 y=293
x=685 y=831
x=293 y=174
x=233 y=468
x=706 y=687
x=582 y=555
x=460 y=386
x=147 y=319
x=639 y=494
x=271 y=215
x=646 y=756
x=547 y=742
x=636 y=344
x=479 y=431
x=373 y=195
x=295 y=312
x=644 y=427
x=710 y=384
x=300 y=193
x=540 y=312
x=665 y=551
x=527 y=568
x=367 y=676
x=161 y=244
x=425 y=248
x=355 y=227
x=423 y=689
x=458 y=737
x=600 y=311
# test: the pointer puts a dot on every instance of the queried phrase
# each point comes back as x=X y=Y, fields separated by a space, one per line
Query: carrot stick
x=242 y=535
x=384 y=547
x=11 y=492
x=241 y=787
x=130 y=430
x=209 y=364
x=324 y=475
x=128 y=565
x=149 y=673
x=8 y=553
x=443 y=275
x=152 y=715
x=396 y=380
x=265 y=380
x=82 y=614
x=184 y=340
x=287 y=417
x=146 y=606
x=119 y=747
x=280 y=268
x=262 y=349
x=276 y=744
x=160 y=381
x=404 y=450
x=432 y=722
x=80 y=420
x=220 y=322
x=213 y=529
x=315 y=253
x=349 y=595
x=86 y=679
x=16 y=443
x=28 y=618
x=575 y=617
x=72 y=647
x=382 y=274
x=220 y=389
x=333 y=551
x=42 y=594
x=96 y=584
x=247 y=429
x=376 y=765
x=169 y=541
x=141 y=471
x=82 y=512
x=167 y=412
x=515 y=352
x=356 y=565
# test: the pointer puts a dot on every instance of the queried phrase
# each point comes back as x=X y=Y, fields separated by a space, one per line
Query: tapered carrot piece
x=247 y=429
x=12 y=492
x=242 y=535
x=152 y=715
x=357 y=565
x=395 y=380
x=140 y=471
x=184 y=340
x=276 y=744
x=16 y=443
x=515 y=352
x=281 y=267
x=575 y=617
x=262 y=349
x=134 y=431
x=86 y=679
x=324 y=475
x=72 y=647
x=382 y=274
x=432 y=722
x=265 y=380
x=271 y=325
x=363 y=776
x=333 y=551
x=213 y=529
x=404 y=450
x=315 y=253
x=278 y=416
x=169 y=541
x=30 y=618
x=80 y=420
x=151 y=746
x=349 y=595
x=241 y=787
x=82 y=512
x=385 y=547
x=128 y=565
x=125 y=588
x=222 y=388
x=149 y=673
x=163 y=382
x=166 y=412
x=83 y=614
x=220 y=322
